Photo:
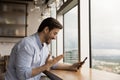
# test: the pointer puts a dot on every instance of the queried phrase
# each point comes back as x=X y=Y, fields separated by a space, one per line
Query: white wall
x=33 y=19
x=5 y=47
x=6 y=44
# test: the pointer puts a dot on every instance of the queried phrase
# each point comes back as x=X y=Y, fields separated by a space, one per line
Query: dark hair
x=49 y=22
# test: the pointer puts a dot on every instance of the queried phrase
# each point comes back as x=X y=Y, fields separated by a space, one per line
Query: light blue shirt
x=26 y=54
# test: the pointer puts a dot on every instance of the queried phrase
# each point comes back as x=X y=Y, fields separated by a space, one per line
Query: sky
x=105 y=26
x=71 y=29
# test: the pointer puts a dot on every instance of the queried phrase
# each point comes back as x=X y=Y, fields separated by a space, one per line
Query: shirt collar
x=38 y=41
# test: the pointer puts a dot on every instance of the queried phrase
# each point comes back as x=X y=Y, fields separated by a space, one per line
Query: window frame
x=64 y=9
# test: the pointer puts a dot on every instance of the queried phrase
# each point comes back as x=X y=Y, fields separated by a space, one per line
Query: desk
x=86 y=74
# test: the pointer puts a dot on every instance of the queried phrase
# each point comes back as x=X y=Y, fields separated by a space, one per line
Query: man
x=30 y=56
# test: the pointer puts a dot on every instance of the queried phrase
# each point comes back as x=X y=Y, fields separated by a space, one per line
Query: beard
x=47 y=43
x=47 y=40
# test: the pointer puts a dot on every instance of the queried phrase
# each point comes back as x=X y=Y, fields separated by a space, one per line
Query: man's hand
x=77 y=65
x=50 y=62
x=47 y=65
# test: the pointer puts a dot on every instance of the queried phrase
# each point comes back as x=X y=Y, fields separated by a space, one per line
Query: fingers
x=79 y=64
x=47 y=58
x=59 y=57
x=53 y=61
x=56 y=59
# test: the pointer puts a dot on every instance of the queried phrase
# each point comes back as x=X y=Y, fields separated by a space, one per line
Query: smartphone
x=84 y=59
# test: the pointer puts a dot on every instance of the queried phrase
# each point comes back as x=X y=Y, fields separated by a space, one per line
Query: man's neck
x=40 y=34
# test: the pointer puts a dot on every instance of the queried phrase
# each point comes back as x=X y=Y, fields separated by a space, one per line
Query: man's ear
x=46 y=29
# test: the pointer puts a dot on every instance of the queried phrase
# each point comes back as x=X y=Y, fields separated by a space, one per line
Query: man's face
x=50 y=35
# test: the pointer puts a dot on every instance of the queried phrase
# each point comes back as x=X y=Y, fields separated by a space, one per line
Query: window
x=105 y=35
x=53 y=14
x=71 y=35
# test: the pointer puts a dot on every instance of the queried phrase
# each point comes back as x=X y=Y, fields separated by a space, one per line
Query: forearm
x=68 y=66
x=38 y=70
x=62 y=66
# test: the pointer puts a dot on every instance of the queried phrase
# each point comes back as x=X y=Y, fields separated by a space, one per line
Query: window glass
x=105 y=35
x=71 y=35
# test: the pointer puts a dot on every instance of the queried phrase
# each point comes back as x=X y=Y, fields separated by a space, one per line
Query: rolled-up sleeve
x=23 y=61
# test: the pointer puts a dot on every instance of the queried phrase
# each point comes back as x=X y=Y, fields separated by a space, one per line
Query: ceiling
x=38 y=1
x=18 y=0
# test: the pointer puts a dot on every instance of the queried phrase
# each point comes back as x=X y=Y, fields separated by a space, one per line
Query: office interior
x=90 y=29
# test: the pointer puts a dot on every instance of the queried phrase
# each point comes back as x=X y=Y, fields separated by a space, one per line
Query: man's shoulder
x=29 y=40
